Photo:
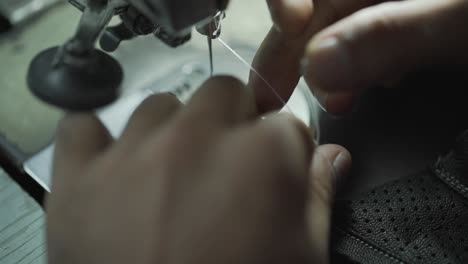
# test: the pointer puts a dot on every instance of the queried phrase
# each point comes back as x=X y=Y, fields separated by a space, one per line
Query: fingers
x=285 y=147
x=278 y=59
x=384 y=42
x=153 y=113
x=276 y=168
x=222 y=99
x=329 y=164
x=80 y=139
x=292 y=135
x=277 y=67
x=291 y=16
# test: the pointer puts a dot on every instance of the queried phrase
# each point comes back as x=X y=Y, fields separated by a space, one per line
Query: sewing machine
x=79 y=77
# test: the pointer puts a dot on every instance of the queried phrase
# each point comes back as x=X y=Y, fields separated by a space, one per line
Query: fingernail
x=341 y=166
x=329 y=65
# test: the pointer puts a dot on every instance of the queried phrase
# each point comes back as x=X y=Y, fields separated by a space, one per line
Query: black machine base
x=75 y=82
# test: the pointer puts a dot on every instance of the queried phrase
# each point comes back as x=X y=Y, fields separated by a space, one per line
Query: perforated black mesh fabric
x=422 y=218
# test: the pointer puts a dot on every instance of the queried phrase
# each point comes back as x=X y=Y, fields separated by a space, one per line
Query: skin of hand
x=342 y=47
x=208 y=182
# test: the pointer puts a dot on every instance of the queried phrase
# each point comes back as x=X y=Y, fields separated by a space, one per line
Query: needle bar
x=210 y=48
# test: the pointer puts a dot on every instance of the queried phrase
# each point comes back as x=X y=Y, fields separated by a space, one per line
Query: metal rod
x=210 y=48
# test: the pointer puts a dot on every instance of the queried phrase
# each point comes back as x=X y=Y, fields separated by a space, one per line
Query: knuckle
x=228 y=93
x=231 y=86
x=226 y=80
x=164 y=100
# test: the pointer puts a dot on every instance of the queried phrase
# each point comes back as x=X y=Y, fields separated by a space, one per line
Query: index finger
x=277 y=63
x=278 y=60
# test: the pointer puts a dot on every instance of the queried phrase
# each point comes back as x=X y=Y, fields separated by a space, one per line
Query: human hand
x=347 y=46
x=209 y=182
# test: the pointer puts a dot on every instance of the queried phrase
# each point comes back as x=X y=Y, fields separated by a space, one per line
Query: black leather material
x=453 y=168
x=394 y=132
x=422 y=218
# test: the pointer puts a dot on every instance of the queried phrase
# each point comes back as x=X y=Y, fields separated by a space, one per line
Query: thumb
x=329 y=164
x=385 y=42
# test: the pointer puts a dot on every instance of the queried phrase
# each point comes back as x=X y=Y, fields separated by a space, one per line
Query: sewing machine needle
x=210 y=48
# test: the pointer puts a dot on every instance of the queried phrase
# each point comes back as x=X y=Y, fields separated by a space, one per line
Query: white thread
x=258 y=74
x=312 y=122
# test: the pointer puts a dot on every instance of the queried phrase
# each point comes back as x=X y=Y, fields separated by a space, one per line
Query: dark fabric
x=422 y=218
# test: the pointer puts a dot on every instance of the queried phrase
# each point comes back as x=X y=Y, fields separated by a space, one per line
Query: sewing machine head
x=78 y=77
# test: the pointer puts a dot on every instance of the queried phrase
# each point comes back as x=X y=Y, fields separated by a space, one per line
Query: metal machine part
x=212 y=31
x=78 y=77
x=177 y=17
